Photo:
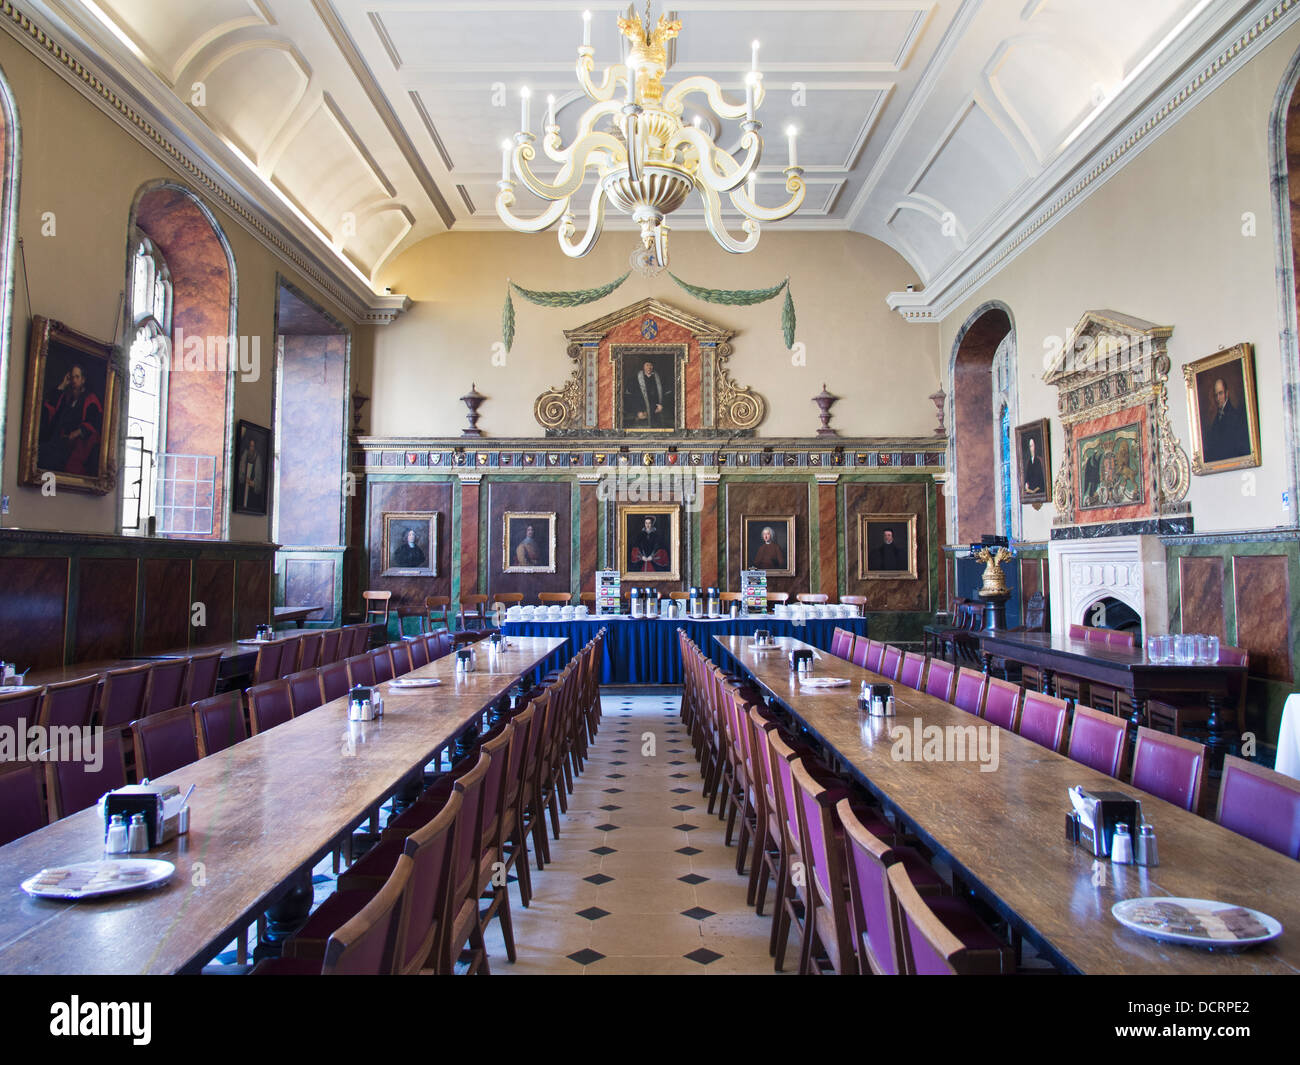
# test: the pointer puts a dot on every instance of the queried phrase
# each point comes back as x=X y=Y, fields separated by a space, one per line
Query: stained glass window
x=151 y=315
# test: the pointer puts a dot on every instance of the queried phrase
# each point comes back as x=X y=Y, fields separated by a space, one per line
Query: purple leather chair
x=1261 y=805
x=164 y=742
x=1169 y=767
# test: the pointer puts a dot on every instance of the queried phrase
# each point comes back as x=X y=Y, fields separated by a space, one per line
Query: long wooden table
x=1128 y=670
x=1004 y=831
x=264 y=811
x=235 y=658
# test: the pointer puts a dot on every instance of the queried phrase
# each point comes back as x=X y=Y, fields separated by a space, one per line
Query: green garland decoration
x=728 y=297
x=747 y=297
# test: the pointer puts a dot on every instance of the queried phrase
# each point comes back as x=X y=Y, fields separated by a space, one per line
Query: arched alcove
x=10 y=154
x=197 y=393
x=1284 y=157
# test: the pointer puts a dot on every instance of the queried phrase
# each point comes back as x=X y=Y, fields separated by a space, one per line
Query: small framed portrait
x=1034 y=466
x=252 y=468
x=649 y=542
x=70 y=411
x=887 y=547
x=1222 y=411
x=767 y=543
x=528 y=542
x=410 y=545
x=648 y=387
x=1110 y=468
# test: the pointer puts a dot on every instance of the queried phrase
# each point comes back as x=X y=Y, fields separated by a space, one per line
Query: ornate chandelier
x=647 y=159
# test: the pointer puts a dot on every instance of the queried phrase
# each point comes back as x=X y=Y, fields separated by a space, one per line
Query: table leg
x=987 y=662
x=1049 y=682
x=285 y=917
x=1221 y=738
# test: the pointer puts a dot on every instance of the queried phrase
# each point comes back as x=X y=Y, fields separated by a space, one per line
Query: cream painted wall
x=1163 y=240
x=883 y=368
x=80 y=165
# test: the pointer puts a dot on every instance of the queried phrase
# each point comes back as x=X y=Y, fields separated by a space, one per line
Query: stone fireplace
x=1130 y=569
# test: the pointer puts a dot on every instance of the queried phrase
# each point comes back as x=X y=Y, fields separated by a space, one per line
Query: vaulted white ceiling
x=934 y=125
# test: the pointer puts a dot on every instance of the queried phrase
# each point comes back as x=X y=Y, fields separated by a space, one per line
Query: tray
x=86 y=880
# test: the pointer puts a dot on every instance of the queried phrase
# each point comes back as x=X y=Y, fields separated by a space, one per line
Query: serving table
x=1002 y=830
x=265 y=811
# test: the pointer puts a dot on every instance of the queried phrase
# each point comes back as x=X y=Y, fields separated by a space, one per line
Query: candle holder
x=824 y=403
x=473 y=399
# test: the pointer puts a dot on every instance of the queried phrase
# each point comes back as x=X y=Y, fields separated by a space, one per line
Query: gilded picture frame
x=1034 y=462
x=643 y=554
x=528 y=541
x=408 y=535
x=1223 y=411
x=780 y=546
x=887 y=547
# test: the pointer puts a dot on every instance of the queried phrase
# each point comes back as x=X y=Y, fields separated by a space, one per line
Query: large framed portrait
x=410 y=544
x=649 y=542
x=70 y=411
x=1222 y=410
x=887 y=547
x=648 y=386
x=1033 y=449
x=528 y=542
x=1110 y=468
x=252 y=468
x=767 y=543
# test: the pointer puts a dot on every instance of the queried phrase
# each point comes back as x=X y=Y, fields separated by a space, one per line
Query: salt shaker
x=116 y=841
x=1121 y=847
x=1147 y=854
x=137 y=836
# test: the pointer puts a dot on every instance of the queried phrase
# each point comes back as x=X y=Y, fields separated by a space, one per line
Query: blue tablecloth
x=645 y=650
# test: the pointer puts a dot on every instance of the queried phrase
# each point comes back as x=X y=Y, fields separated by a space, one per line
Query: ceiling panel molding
x=233 y=122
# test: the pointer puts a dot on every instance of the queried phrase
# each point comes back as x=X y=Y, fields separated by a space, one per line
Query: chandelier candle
x=648 y=158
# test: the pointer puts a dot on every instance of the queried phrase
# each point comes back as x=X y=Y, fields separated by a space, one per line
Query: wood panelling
x=1200 y=595
x=214 y=587
x=885 y=498
x=829 y=560
x=769 y=499
x=105 y=613
x=544 y=497
x=32 y=610
x=412 y=497
x=1262 y=589
x=166 y=604
x=310 y=582
x=252 y=596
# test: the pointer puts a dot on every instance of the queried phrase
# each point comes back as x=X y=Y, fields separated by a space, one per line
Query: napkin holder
x=159 y=803
x=1096 y=815
x=799 y=656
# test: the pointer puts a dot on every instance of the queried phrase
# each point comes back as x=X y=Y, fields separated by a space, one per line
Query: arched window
x=146 y=409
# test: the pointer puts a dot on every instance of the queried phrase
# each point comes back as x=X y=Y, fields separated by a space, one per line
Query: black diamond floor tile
x=602 y=851
x=598 y=879
x=683 y=808
x=595 y=913
x=586 y=956
x=609 y=808
x=681 y=791
x=689 y=878
x=612 y=791
x=690 y=852
x=607 y=827
x=684 y=827
x=704 y=956
x=697 y=913
x=678 y=776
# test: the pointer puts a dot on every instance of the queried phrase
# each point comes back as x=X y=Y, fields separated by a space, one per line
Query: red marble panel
x=166 y=604
x=976 y=461
x=105 y=614
x=252 y=597
x=709 y=545
x=1200 y=595
x=419 y=497
x=827 y=505
x=941 y=508
x=543 y=497
x=1262 y=587
x=769 y=499
x=312 y=396
x=201 y=286
x=887 y=498
x=469 y=539
x=669 y=334
x=214 y=587
x=33 y=611
x=589 y=511
x=1118 y=420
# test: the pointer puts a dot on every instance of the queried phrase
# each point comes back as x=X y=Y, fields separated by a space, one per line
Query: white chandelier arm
x=794 y=184
x=586 y=124
x=718 y=168
x=674 y=97
x=616 y=74
x=582 y=155
x=544 y=221
x=595 y=223
x=713 y=219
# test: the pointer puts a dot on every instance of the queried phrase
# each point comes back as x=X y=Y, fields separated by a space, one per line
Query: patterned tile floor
x=640 y=881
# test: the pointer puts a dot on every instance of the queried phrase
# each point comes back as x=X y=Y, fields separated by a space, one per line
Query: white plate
x=10 y=688
x=253 y=642
x=86 y=880
x=823 y=682
x=1197 y=922
x=414 y=682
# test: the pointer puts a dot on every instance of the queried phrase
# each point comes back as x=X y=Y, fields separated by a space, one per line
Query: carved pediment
x=689 y=390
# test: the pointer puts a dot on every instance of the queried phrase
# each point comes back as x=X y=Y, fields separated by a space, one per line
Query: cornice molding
x=1230 y=51
x=102 y=90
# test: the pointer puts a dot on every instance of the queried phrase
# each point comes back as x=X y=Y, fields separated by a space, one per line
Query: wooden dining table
x=1003 y=830
x=236 y=657
x=264 y=812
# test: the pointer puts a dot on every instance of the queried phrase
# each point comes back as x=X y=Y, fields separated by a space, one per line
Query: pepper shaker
x=137 y=836
x=1147 y=854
